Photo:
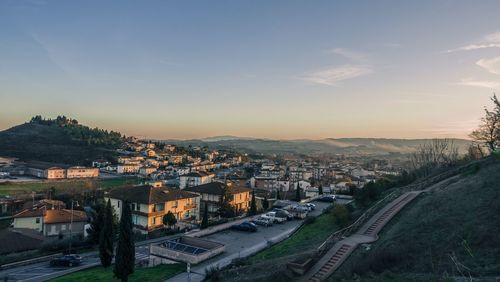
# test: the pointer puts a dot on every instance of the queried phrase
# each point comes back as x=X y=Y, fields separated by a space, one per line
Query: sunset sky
x=277 y=69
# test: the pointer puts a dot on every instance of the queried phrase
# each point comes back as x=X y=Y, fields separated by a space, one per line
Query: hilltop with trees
x=59 y=140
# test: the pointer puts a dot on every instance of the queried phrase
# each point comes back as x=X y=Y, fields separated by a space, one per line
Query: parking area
x=241 y=244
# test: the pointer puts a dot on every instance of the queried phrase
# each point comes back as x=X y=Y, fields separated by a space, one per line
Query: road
x=238 y=244
x=43 y=271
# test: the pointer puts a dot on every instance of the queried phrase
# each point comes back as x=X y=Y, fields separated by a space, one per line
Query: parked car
x=264 y=221
x=327 y=199
x=311 y=206
x=299 y=208
x=245 y=226
x=276 y=219
x=67 y=260
x=283 y=213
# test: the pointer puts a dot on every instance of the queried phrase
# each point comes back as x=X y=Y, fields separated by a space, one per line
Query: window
x=118 y=204
x=159 y=207
x=37 y=220
x=176 y=204
x=138 y=207
x=132 y=206
x=154 y=220
x=63 y=227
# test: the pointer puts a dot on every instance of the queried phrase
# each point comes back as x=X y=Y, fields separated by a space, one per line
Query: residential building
x=128 y=168
x=195 y=178
x=52 y=222
x=147 y=170
x=82 y=172
x=211 y=195
x=46 y=171
x=149 y=204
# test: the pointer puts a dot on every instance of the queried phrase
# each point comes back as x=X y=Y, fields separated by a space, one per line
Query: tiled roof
x=64 y=216
x=217 y=188
x=30 y=213
x=147 y=194
x=198 y=174
x=53 y=216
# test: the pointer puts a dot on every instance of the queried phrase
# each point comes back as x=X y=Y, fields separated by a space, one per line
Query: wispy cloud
x=349 y=54
x=491 y=40
x=333 y=75
x=480 y=83
x=491 y=65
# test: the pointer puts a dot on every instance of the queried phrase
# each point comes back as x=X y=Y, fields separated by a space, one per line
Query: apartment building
x=150 y=203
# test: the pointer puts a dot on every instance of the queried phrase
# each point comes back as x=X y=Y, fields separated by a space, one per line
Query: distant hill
x=348 y=146
x=59 y=140
x=453 y=231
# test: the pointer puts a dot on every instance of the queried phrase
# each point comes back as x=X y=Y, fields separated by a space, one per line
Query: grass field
x=152 y=274
x=308 y=237
x=13 y=188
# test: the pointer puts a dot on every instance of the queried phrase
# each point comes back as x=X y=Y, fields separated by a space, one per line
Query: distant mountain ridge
x=349 y=146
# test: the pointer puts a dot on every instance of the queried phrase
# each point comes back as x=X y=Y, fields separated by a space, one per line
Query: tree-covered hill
x=60 y=140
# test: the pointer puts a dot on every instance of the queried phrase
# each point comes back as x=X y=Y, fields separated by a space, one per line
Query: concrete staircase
x=366 y=234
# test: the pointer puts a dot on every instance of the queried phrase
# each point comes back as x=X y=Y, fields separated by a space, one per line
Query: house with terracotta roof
x=52 y=222
x=150 y=203
x=211 y=195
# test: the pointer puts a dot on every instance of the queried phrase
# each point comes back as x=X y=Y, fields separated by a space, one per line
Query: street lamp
x=71 y=225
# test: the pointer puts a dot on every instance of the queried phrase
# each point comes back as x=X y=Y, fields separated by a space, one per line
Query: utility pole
x=71 y=227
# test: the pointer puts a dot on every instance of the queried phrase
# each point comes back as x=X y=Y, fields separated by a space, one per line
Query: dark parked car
x=327 y=199
x=66 y=260
x=245 y=226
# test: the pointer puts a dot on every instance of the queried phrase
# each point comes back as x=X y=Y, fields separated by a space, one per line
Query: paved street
x=43 y=271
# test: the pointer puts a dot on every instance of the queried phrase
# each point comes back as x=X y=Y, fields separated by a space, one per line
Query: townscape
x=249 y=141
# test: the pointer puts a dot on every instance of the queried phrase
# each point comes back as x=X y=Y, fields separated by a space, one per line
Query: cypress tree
x=297 y=193
x=125 y=252
x=320 y=190
x=106 y=244
x=265 y=203
x=97 y=222
x=204 y=221
x=253 y=205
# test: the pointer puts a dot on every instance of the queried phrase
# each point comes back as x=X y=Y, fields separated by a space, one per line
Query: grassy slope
x=153 y=274
x=308 y=237
x=13 y=188
x=460 y=221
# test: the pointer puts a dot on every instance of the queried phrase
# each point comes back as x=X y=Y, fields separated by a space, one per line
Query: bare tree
x=432 y=155
x=488 y=132
x=475 y=152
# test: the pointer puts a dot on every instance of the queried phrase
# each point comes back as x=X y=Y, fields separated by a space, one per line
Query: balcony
x=189 y=206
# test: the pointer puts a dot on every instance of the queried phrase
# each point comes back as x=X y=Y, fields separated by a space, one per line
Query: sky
x=262 y=68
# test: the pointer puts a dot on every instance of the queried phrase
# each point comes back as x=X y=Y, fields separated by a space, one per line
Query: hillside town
x=190 y=184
